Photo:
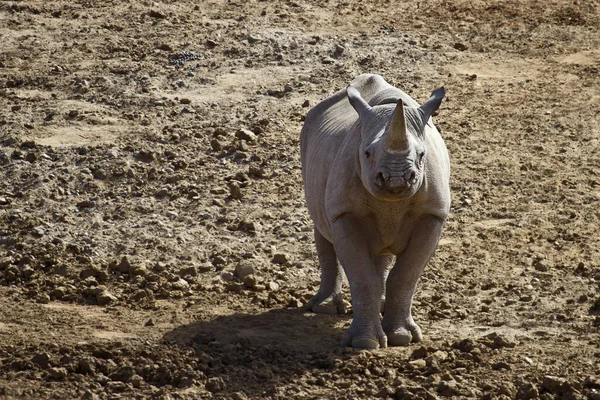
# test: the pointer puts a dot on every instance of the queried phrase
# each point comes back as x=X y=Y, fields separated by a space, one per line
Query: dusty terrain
x=135 y=179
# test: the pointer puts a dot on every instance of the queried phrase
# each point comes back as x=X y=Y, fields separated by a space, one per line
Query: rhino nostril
x=413 y=175
x=380 y=180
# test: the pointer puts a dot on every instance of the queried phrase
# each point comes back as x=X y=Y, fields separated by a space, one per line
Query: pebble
x=215 y=385
x=272 y=286
x=460 y=46
x=58 y=373
x=280 y=258
x=150 y=322
x=42 y=359
x=250 y=281
x=527 y=391
x=327 y=60
x=105 y=297
x=180 y=284
x=245 y=134
x=243 y=269
x=235 y=191
x=216 y=145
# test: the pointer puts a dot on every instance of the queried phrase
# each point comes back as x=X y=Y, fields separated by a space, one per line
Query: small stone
x=234 y=287
x=162 y=193
x=295 y=303
x=554 y=384
x=188 y=271
x=527 y=391
x=239 y=396
x=460 y=46
x=273 y=286
x=86 y=366
x=89 y=395
x=218 y=261
x=185 y=101
x=253 y=39
x=156 y=14
x=215 y=385
x=243 y=269
x=172 y=214
x=180 y=284
x=211 y=44
x=150 y=322
x=327 y=60
x=125 y=265
x=250 y=281
x=216 y=145
x=256 y=171
x=58 y=373
x=42 y=359
x=280 y=258
x=500 y=366
x=418 y=364
x=541 y=265
x=245 y=134
x=235 y=191
x=105 y=297
x=306 y=104
x=448 y=388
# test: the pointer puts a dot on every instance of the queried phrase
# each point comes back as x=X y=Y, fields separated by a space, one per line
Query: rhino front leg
x=383 y=267
x=398 y=322
x=328 y=299
x=366 y=285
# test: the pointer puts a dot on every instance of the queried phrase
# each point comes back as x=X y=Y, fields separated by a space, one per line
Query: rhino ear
x=430 y=106
x=357 y=102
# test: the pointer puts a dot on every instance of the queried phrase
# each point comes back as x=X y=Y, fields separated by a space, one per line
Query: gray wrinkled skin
x=376 y=179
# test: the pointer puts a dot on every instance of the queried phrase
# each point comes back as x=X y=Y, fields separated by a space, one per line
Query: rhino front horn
x=396 y=139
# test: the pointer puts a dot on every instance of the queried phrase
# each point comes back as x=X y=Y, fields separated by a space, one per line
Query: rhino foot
x=404 y=335
x=333 y=304
x=363 y=338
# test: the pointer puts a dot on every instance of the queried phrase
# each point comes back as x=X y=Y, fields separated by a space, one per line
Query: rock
x=553 y=384
x=306 y=104
x=215 y=385
x=280 y=258
x=86 y=366
x=150 y=322
x=460 y=46
x=89 y=395
x=418 y=364
x=234 y=287
x=42 y=359
x=125 y=265
x=239 y=396
x=188 y=271
x=541 y=265
x=500 y=366
x=250 y=281
x=156 y=14
x=256 y=171
x=185 y=101
x=253 y=39
x=527 y=391
x=448 y=388
x=243 y=269
x=273 y=286
x=180 y=284
x=58 y=373
x=245 y=134
x=234 y=191
x=218 y=261
x=105 y=297
x=435 y=359
x=216 y=145
x=327 y=60
x=162 y=193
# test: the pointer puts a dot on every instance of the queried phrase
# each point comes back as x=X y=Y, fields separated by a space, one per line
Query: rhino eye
x=421 y=155
x=367 y=154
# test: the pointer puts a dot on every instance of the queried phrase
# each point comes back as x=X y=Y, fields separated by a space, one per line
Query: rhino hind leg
x=329 y=299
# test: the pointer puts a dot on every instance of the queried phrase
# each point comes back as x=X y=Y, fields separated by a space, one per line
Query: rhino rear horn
x=431 y=105
x=356 y=100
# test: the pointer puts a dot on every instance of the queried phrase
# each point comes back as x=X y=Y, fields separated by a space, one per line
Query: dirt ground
x=154 y=241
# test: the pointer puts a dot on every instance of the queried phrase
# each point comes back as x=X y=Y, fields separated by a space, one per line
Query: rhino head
x=393 y=151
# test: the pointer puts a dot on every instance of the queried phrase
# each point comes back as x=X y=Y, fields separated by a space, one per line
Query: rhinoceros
x=376 y=177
